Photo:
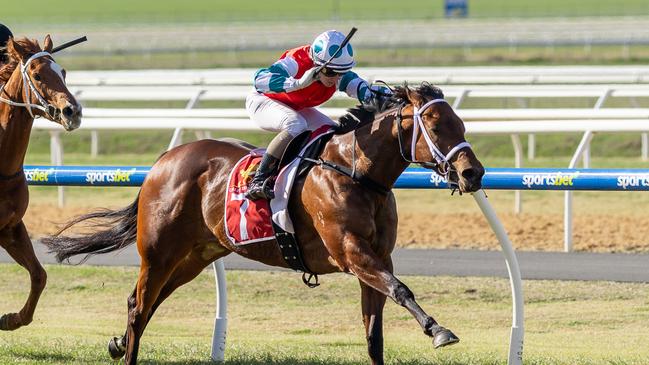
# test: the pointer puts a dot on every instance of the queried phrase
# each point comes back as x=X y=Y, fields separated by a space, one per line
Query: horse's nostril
x=68 y=111
x=469 y=174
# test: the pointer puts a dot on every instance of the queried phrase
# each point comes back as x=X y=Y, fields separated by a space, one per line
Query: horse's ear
x=14 y=49
x=47 y=44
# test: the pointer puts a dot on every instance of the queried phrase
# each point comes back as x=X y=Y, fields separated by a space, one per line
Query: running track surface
x=534 y=265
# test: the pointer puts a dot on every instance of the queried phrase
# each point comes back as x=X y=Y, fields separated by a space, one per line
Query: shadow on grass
x=29 y=356
x=296 y=361
x=283 y=361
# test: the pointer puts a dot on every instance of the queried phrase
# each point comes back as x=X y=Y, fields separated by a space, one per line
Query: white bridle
x=28 y=85
x=442 y=159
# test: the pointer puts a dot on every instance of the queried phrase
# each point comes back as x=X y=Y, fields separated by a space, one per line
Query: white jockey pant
x=272 y=115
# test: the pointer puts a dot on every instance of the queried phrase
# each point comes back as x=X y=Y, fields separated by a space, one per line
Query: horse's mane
x=425 y=89
x=361 y=115
x=30 y=46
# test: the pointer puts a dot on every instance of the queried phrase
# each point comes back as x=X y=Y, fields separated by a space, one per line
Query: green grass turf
x=273 y=319
x=117 y=11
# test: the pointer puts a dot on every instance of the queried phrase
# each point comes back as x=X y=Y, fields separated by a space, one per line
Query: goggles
x=330 y=72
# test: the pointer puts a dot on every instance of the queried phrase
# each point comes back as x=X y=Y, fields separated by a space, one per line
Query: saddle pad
x=246 y=221
x=249 y=221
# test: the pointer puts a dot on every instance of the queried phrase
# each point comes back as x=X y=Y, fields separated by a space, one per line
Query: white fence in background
x=459 y=83
x=238 y=92
x=237 y=119
x=392 y=75
x=193 y=95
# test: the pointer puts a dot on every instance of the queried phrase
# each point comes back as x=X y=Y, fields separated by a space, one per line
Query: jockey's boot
x=263 y=183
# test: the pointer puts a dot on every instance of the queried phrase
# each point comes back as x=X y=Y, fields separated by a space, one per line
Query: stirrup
x=261 y=191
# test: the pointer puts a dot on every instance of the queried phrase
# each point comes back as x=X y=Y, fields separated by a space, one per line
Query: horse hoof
x=10 y=322
x=116 y=349
x=444 y=337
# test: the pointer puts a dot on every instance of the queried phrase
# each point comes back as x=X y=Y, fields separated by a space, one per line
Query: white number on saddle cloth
x=246 y=221
x=243 y=222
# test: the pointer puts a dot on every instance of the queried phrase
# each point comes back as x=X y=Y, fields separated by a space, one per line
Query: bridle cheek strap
x=28 y=86
x=441 y=159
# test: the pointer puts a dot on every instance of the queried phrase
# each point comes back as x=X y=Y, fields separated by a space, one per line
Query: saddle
x=249 y=221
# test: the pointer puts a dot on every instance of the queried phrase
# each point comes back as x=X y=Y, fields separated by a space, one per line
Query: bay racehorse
x=342 y=224
x=31 y=84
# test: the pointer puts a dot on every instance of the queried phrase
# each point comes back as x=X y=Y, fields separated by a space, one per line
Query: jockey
x=287 y=92
x=5 y=34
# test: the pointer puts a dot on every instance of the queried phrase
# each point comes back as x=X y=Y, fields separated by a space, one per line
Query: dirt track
x=595 y=233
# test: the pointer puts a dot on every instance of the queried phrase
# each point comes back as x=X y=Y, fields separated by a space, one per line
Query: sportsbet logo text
x=437 y=180
x=549 y=179
x=626 y=181
x=114 y=176
x=38 y=175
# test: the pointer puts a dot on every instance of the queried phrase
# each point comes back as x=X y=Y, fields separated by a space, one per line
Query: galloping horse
x=31 y=84
x=342 y=223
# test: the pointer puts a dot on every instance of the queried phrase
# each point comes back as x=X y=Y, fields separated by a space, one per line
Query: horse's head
x=437 y=137
x=44 y=92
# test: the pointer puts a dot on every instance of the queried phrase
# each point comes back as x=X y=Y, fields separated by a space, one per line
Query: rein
x=28 y=85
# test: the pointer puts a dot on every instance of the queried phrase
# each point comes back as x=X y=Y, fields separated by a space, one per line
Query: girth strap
x=293 y=255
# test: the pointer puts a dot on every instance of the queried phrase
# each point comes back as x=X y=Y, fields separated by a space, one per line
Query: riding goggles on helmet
x=329 y=72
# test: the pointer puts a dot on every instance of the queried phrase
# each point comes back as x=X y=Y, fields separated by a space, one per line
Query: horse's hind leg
x=152 y=277
x=372 y=303
x=17 y=243
x=377 y=273
x=117 y=345
x=185 y=272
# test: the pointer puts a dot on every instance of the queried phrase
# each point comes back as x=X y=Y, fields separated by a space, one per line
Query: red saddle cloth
x=246 y=221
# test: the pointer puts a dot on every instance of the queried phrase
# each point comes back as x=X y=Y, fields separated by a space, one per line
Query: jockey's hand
x=379 y=100
x=307 y=79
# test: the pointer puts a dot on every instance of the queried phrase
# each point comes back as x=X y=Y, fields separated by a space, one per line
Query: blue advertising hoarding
x=456 y=8
x=412 y=178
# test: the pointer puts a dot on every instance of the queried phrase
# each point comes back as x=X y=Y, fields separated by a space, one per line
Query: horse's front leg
x=17 y=243
x=373 y=271
x=372 y=303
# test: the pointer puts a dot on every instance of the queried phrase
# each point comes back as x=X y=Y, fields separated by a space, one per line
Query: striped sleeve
x=356 y=87
x=278 y=77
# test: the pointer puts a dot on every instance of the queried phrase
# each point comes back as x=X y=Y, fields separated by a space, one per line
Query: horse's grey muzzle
x=471 y=179
x=71 y=117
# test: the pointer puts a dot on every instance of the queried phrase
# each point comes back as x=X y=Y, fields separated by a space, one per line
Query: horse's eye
x=37 y=77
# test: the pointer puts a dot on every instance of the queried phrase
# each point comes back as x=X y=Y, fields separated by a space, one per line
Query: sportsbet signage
x=115 y=176
x=537 y=179
x=412 y=178
x=86 y=175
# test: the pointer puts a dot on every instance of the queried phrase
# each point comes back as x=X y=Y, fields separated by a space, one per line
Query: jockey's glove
x=307 y=79
x=378 y=99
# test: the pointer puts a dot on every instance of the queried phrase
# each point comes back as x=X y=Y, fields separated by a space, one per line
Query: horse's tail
x=116 y=230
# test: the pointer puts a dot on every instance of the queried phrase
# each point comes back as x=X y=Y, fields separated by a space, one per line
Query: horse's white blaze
x=58 y=69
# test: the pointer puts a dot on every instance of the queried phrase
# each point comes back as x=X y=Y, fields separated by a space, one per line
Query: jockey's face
x=329 y=81
x=329 y=77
